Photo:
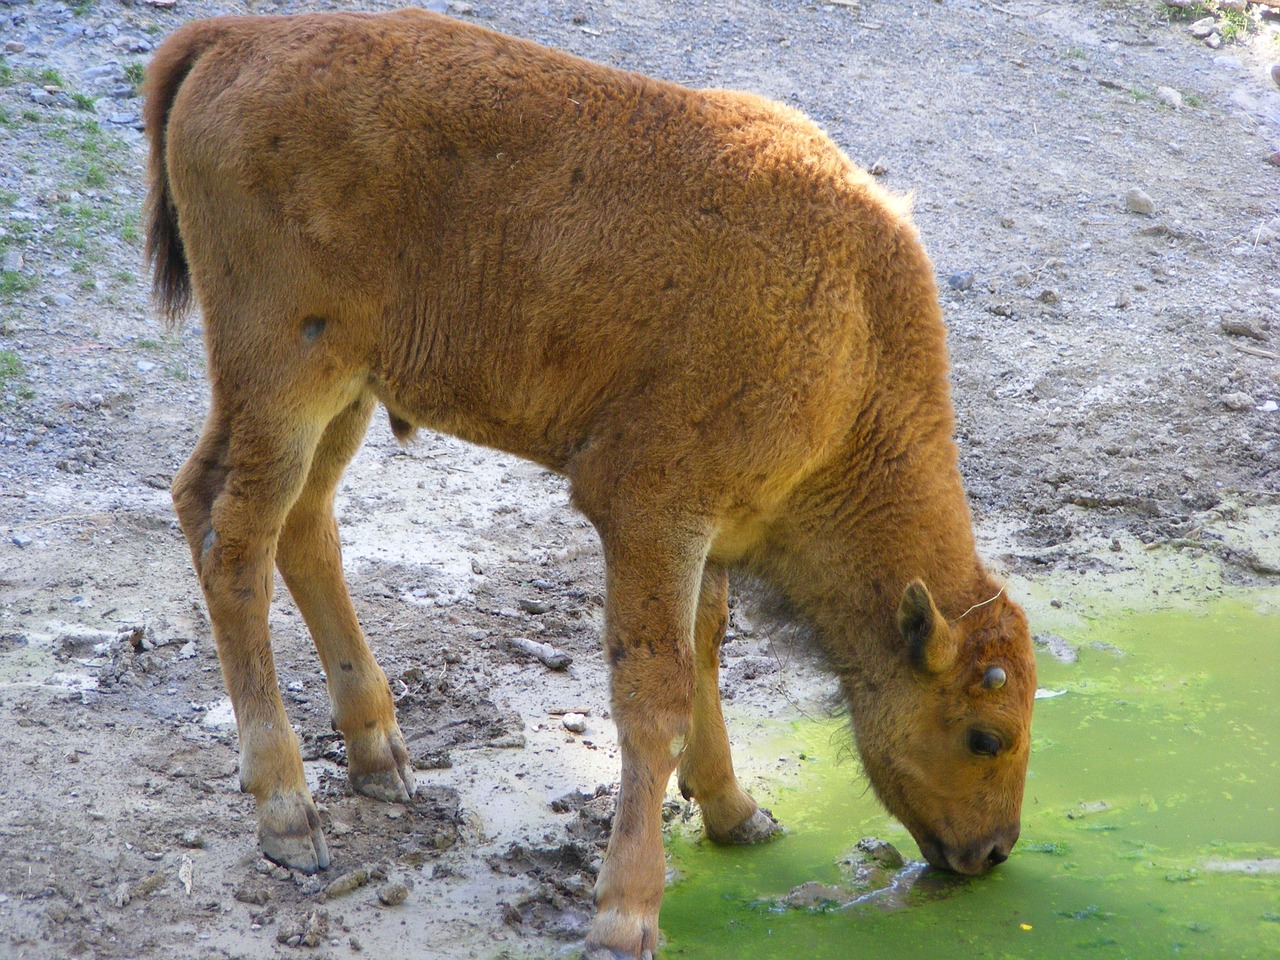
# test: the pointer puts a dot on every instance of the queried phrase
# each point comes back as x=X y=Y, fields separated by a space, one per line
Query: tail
x=171 y=275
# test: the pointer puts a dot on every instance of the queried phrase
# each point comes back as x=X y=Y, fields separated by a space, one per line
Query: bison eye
x=984 y=744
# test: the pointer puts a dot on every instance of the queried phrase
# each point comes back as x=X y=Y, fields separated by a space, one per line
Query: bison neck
x=887 y=512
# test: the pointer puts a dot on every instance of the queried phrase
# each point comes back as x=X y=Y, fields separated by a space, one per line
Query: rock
x=460 y=8
x=1169 y=95
x=393 y=894
x=960 y=281
x=1213 y=41
x=533 y=606
x=15 y=46
x=1233 y=6
x=1137 y=201
x=575 y=722
x=310 y=930
x=1203 y=28
x=1059 y=648
x=346 y=883
x=882 y=852
x=1275 y=73
x=1274 y=159
x=21 y=540
x=1240 y=327
x=1238 y=402
x=253 y=893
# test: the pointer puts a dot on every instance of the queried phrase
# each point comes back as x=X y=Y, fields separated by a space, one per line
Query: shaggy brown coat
x=690 y=303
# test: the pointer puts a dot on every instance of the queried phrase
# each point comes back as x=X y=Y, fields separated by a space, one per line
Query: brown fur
x=690 y=303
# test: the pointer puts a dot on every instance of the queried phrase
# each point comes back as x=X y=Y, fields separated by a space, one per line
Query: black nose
x=997 y=856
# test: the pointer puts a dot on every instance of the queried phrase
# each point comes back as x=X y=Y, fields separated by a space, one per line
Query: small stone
x=1137 y=201
x=533 y=606
x=575 y=722
x=252 y=893
x=14 y=46
x=1203 y=27
x=1240 y=327
x=960 y=281
x=1213 y=41
x=145 y=366
x=1275 y=73
x=12 y=261
x=881 y=851
x=1274 y=159
x=460 y=8
x=1233 y=6
x=1169 y=96
x=346 y=883
x=393 y=894
x=188 y=650
x=21 y=540
x=1238 y=402
x=191 y=839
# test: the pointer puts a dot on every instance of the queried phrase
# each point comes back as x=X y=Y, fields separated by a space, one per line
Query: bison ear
x=930 y=643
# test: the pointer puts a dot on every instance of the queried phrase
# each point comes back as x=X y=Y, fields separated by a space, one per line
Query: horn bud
x=994 y=678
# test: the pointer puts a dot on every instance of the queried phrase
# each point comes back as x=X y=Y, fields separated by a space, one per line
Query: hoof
x=379 y=767
x=757 y=828
x=616 y=935
x=389 y=786
x=289 y=832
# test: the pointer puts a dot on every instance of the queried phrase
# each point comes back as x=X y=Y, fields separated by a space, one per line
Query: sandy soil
x=1116 y=381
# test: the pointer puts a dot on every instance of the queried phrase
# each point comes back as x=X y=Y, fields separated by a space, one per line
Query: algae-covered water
x=1151 y=823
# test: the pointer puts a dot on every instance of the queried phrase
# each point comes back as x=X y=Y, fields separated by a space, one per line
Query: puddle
x=1151 y=825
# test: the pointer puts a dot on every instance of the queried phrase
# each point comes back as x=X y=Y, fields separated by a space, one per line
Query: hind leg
x=232 y=497
x=706 y=766
x=310 y=560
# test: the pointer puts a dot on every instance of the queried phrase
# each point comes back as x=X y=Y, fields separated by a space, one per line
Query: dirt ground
x=1116 y=372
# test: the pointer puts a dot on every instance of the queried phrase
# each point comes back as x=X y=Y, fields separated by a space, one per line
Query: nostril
x=996 y=856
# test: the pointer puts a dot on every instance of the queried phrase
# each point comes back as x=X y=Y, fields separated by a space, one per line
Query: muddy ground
x=1117 y=373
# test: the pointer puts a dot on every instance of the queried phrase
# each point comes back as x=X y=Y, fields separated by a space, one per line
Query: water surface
x=1151 y=823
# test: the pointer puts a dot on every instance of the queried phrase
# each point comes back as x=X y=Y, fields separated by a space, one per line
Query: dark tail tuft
x=171 y=283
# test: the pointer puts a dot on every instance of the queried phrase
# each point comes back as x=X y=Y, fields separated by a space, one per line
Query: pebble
x=15 y=46
x=575 y=722
x=21 y=540
x=533 y=606
x=1241 y=327
x=1238 y=402
x=1169 y=95
x=12 y=261
x=1203 y=28
x=961 y=281
x=393 y=894
x=1136 y=200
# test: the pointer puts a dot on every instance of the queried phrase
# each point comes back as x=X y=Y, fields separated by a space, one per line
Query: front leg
x=651 y=590
x=729 y=813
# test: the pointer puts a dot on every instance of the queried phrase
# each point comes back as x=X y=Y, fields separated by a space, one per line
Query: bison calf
x=690 y=303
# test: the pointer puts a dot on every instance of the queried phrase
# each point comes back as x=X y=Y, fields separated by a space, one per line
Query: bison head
x=944 y=732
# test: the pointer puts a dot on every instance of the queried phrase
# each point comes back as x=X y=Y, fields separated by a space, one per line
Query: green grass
x=13 y=283
x=134 y=73
x=6 y=73
x=51 y=77
x=83 y=101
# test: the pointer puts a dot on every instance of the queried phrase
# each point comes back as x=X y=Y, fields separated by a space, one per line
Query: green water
x=1154 y=777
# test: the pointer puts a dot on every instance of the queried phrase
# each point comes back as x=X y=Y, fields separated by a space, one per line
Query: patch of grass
x=30 y=116
x=13 y=283
x=6 y=73
x=51 y=77
x=94 y=176
x=125 y=276
x=1139 y=94
x=1192 y=100
x=129 y=229
x=177 y=369
x=82 y=7
x=83 y=101
x=12 y=370
x=1076 y=53
x=134 y=72
x=1233 y=25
